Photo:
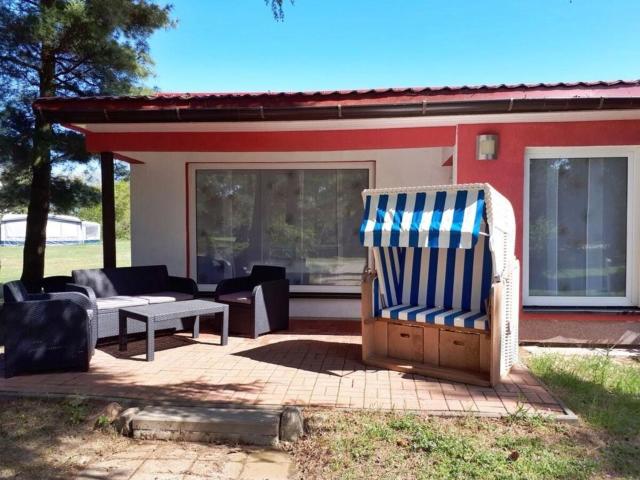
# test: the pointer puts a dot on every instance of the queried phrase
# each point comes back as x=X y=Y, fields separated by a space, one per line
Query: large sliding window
x=577 y=229
x=305 y=219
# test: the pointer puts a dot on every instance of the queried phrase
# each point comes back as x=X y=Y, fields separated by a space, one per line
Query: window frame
x=192 y=244
x=630 y=298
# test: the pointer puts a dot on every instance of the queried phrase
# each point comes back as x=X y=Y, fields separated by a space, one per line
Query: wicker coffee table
x=154 y=315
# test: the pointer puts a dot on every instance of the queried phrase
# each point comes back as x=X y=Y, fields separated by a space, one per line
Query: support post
x=366 y=313
x=495 y=309
x=108 y=211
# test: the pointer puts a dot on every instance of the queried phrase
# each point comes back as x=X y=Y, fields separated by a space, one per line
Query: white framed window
x=580 y=227
x=303 y=216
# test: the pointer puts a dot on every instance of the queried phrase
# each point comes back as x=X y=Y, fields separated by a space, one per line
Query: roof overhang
x=323 y=121
x=354 y=104
x=71 y=113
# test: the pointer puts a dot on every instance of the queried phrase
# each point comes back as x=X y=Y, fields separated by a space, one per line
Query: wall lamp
x=487 y=147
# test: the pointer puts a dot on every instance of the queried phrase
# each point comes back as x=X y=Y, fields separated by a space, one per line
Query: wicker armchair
x=49 y=331
x=258 y=303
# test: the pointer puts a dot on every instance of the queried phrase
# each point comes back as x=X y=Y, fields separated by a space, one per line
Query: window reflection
x=578 y=227
x=304 y=220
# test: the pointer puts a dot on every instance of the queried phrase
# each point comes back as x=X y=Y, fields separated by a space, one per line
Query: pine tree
x=64 y=48
x=70 y=48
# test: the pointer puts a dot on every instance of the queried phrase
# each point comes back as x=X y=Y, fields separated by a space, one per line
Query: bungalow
x=220 y=181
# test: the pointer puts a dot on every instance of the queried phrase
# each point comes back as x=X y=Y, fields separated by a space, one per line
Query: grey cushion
x=110 y=304
x=237 y=297
x=163 y=297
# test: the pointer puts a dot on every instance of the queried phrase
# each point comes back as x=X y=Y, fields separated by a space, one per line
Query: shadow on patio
x=316 y=356
x=137 y=348
x=292 y=367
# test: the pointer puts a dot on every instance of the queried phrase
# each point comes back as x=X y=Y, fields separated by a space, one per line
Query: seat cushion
x=451 y=317
x=164 y=297
x=237 y=297
x=110 y=304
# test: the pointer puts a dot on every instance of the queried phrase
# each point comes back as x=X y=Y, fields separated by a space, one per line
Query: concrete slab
x=205 y=424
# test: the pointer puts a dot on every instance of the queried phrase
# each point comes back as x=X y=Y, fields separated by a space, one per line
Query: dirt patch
x=50 y=438
x=56 y=439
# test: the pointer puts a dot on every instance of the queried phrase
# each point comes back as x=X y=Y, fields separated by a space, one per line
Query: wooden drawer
x=460 y=350
x=405 y=342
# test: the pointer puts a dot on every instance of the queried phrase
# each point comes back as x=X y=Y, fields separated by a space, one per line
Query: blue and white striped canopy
x=422 y=219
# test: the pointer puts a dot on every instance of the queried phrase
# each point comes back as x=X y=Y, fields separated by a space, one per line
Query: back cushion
x=56 y=283
x=436 y=277
x=265 y=273
x=109 y=282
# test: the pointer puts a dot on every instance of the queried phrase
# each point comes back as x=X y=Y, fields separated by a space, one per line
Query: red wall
x=506 y=173
x=277 y=141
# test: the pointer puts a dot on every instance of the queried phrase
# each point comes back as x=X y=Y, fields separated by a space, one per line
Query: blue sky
x=235 y=45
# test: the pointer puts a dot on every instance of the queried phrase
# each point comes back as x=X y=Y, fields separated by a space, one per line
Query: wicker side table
x=154 y=315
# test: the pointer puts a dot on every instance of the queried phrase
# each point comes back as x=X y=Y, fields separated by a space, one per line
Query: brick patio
x=304 y=366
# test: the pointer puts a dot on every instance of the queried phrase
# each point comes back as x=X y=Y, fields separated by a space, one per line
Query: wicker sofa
x=110 y=289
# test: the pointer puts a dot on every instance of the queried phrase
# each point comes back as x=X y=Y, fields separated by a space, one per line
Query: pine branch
x=18 y=62
x=70 y=68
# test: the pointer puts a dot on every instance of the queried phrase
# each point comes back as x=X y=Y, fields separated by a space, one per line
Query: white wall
x=158 y=225
x=159 y=201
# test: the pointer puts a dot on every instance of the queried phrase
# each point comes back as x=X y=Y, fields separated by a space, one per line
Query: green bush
x=93 y=213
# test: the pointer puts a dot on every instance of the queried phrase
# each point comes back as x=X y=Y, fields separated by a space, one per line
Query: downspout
x=454 y=167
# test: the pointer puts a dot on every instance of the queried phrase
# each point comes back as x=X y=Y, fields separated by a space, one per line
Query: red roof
x=561 y=90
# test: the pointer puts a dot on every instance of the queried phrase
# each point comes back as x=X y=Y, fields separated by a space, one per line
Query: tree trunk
x=40 y=195
x=38 y=212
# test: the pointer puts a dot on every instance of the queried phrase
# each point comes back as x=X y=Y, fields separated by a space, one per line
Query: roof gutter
x=164 y=114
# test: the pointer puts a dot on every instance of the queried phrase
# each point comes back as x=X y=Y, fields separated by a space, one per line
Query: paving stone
x=237 y=456
x=265 y=470
x=173 y=466
x=141 y=451
x=176 y=450
x=268 y=456
x=205 y=468
x=232 y=469
x=156 y=476
x=112 y=469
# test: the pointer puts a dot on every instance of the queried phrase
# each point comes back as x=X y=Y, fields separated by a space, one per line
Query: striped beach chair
x=443 y=258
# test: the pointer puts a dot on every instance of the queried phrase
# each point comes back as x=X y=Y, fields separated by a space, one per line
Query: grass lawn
x=61 y=259
x=605 y=392
x=605 y=444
